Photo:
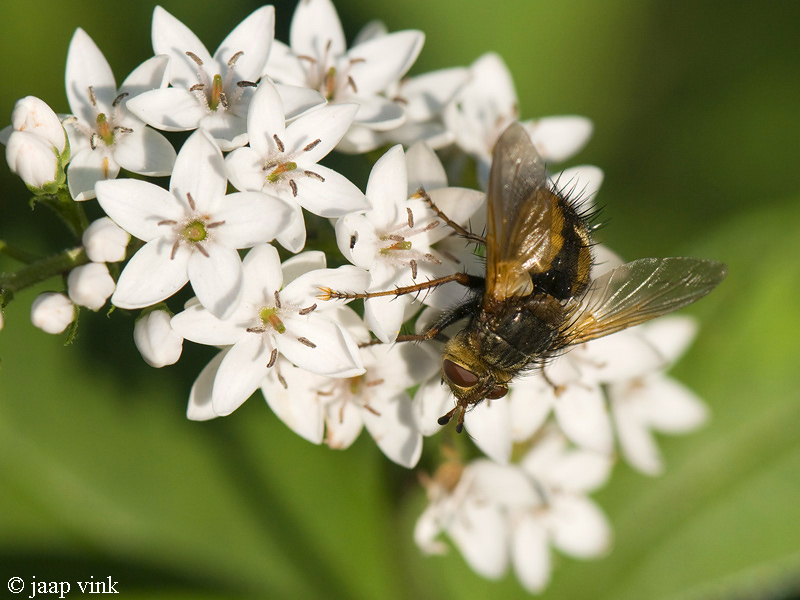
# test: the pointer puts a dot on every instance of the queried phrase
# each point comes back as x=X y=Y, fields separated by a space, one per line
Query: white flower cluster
x=265 y=114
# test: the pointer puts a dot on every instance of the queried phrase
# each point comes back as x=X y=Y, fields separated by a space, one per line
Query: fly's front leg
x=448 y=221
x=462 y=278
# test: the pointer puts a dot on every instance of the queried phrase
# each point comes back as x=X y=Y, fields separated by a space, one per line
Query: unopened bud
x=157 y=342
x=105 y=241
x=34 y=116
x=34 y=160
x=90 y=285
x=52 y=312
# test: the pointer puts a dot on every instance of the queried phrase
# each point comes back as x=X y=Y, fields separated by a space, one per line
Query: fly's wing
x=520 y=217
x=637 y=292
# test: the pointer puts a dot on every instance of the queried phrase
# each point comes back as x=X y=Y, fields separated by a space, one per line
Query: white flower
x=105 y=241
x=52 y=312
x=501 y=514
x=282 y=160
x=213 y=93
x=157 y=342
x=319 y=59
x=278 y=314
x=104 y=135
x=32 y=158
x=192 y=231
x=488 y=103
x=393 y=240
x=90 y=285
x=654 y=401
x=376 y=399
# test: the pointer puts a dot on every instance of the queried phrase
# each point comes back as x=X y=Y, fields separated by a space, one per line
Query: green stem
x=17 y=254
x=39 y=271
x=70 y=211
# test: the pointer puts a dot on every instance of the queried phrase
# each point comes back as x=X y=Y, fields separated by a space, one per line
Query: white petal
x=173 y=38
x=229 y=130
x=480 y=533
x=150 y=75
x=385 y=315
x=316 y=30
x=671 y=335
x=305 y=289
x=379 y=114
x=138 y=207
x=530 y=401
x=253 y=37
x=582 y=415
x=489 y=426
x=241 y=372
x=459 y=204
x=199 y=171
x=327 y=124
x=386 y=187
x=262 y=274
x=156 y=340
x=146 y=152
x=559 y=138
x=384 y=60
x=152 y=275
x=394 y=429
x=87 y=168
x=284 y=66
x=335 y=353
x=200 y=407
x=580 y=471
x=265 y=119
x=243 y=167
x=200 y=326
x=301 y=264
x=669 y=405
x=426 y=530
x=168 y=109
x=426 y=95
x=334 y=197
x=579 y=528
x=298 y=100
x=357 y=240
x=424 y=168
x=250 y=218
x=431 y=401
x=87 y=67
x=530 y=554
x=344 y=424
x=293 y=237
x=217 y=279
x=635 y=440
x=617 y=357
x=297 y=404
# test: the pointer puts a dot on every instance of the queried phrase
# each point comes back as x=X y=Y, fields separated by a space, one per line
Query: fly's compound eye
x=497 y=392
x=458 y=374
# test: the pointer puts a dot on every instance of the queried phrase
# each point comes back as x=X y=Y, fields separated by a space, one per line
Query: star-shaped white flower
x=377 y=399
x=318 y=58
x=272 y=319
x=213 y=93
x=103 y=134
x=487 y=104
x=393 y=240
x=192 y=231
x=282 y=160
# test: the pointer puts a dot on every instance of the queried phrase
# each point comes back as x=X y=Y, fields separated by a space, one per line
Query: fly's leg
x=448 y=221
x=462 y=278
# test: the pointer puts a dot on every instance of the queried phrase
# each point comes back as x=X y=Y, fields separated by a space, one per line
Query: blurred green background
x=697 y=114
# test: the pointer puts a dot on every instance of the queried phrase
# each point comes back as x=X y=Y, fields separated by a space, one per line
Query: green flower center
x=195 y=231
x=269 y=316
x=104 y=129
x=280 y=170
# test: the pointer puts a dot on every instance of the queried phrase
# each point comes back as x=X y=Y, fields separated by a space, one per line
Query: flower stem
x=17 y=254
x=39 y=271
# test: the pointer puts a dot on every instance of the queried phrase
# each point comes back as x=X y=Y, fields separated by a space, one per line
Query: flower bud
x=52 y=312
x=34 y=116
x=90 y=285
x=156 y=340
x=33 y=159
x=105 y=241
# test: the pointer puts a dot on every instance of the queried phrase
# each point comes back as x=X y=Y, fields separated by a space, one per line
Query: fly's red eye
x=458 y=374
x=497 y=392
